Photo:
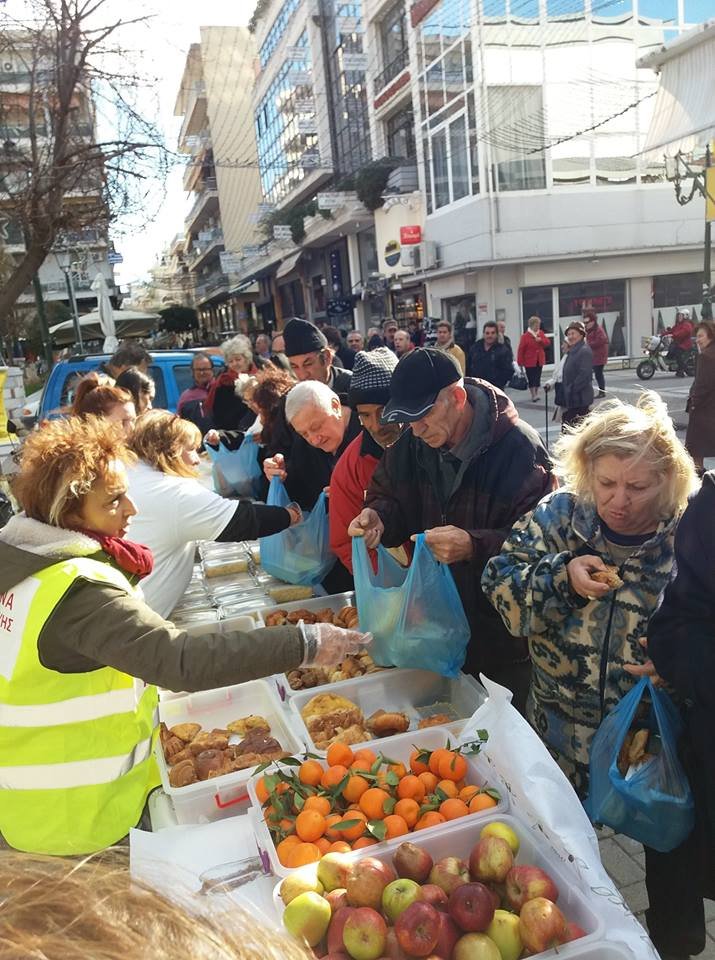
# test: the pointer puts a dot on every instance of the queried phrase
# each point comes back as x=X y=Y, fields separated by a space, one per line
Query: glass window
x=473 y=145
x=279 y=27
x=157 y=375
x=678 y=290
x=538 y=302
x=564 y=9
x=611 y=11
x=393 y=34
x=571 y=162
x=666 y=10
x=615 y=160
x=698 y=11
x=400 y=134
x=608 y=299
x=441 y=168
x=494 y=9
x=458 y=158
x=462 y=314
x=524 y=9
x=517 y=136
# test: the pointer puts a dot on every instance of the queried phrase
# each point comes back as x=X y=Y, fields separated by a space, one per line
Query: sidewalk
x=623 y=858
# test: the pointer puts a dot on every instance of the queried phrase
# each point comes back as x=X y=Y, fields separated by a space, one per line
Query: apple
x=335 y=930
x=448 y=935
x=471 y=906
x=504 y=931
x=418 y=929
x=498 y=829
x=435 y=895
x=412 y=863
x=449 y=873
x=337 y=899
x=307 y=917
x=364 y=934
x=367 y=879
x=541 y=925
x=333 y=871
x=398 y=895
x=476 y=946
x=337 y=956
x=320 y=950
x=393 y=950
x=295 y=885
x=491 y=859
x=527 y=882
x=572 y=931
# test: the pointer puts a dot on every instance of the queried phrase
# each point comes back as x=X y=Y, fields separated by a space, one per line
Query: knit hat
x=302 y=336
x=418 y=378
x=372 y=372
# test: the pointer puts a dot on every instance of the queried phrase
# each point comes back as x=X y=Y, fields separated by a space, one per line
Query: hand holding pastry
x=580 y=571
x=326 y=644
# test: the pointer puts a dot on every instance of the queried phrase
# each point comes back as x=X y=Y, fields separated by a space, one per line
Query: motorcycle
x=660 y=358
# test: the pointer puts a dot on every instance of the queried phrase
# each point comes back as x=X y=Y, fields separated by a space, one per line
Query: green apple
x=333 y=871
x=307 y=917
x=498 y=829
x=293 y=886
x=504 y=931
x=476 y=946
x=398 y=895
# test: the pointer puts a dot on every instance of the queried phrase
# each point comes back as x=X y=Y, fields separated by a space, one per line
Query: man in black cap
x=310 y=359
x=463 y=474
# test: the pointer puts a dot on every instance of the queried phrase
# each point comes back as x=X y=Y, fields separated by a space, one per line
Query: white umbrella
x=106 y=314
x=128 y=323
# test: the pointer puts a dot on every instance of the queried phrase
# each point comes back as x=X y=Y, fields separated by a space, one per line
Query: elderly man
x=355 y=340
x=263 y=346
x=491 y=360
x=463 y=474
x=192 y=402
x=402 y=344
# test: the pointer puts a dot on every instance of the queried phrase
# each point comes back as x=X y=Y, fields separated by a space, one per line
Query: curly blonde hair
x=159 y=439
x=60 y=463
x=643 y=431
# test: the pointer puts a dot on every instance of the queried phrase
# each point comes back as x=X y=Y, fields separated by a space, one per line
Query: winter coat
x=682 y=333
x=505 y=479
x=457 y=354
x=494 y=365
x=532 y=349
x=597 y=339
x=192 y=406
x=700 y=438
x=348 y=486
x=681 y=643
x=577 y=376
x=578 y=647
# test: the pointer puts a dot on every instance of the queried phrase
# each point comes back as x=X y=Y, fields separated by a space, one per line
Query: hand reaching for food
x=326 y=644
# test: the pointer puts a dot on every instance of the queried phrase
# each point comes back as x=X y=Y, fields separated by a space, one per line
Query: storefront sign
x=410 y=234
x=354 y=61
x=483 y=307
x=392 y=253
x=339 y=307
x=282 y=231
x=230 y=262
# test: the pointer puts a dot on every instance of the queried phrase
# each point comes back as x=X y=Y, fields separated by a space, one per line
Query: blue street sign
x=115 y=258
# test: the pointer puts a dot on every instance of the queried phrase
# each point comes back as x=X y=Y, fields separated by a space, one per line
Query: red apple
x=366 y=881
x=337 y=956
x=541 y=925
x=435 y=895
x=337 y=899
x=491 y=860
x=335 y=930
x=320 y=950
x=365 y=934
x=572 y=931
x=448 y=936
x=418 y=928
x=393 y=950
x=449 y=873
x=412 y=863
x=471 y=906
x=527 y=882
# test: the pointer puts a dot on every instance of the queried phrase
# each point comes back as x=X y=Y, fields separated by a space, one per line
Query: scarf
x=130 y=557
x=226 y=379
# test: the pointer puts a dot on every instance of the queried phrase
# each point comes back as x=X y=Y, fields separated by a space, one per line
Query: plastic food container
x=593 y=950
x=224 y=796
x=418 y=693
x=458 y=838
x=396 y=748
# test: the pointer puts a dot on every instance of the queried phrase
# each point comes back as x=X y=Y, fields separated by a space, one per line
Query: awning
x=684 y=113
x=288 y=265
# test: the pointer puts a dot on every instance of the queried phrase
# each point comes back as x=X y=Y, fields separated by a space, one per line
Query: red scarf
x=130 y=557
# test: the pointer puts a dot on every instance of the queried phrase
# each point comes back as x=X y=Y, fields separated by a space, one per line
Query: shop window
x=538 y=302
x=462 y=314
x=517 y=136
x=608 y=299
x=677 y=290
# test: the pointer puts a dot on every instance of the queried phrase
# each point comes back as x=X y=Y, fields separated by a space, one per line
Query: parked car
x=170 y=370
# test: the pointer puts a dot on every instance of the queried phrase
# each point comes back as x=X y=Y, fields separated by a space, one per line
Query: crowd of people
x=409 y=440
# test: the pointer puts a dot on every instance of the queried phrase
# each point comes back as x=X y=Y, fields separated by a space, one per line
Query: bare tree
x=74 y=150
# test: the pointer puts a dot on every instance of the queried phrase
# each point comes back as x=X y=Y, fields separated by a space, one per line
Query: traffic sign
x=114 y=257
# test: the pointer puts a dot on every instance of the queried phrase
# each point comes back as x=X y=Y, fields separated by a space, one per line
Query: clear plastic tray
x=595 y=950
x=225 y=796
x=418 y=693
x=457 y=839
x=396 y=748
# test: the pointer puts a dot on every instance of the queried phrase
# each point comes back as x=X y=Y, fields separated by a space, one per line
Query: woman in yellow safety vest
x=81 y=653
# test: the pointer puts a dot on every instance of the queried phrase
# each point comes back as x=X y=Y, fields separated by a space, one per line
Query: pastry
x=208 y=741
x=253 y=722
x=328 y=714
x=347 y=617
x=609 y=576
x=276 y=619
x=305 y=615
x=287 y=594
x=172 y=747
x=324 y=616
x=436 y=720
x=239 y=565
x=183 y=774
x=638 y=746
x=257 y=741
x=384 y=724
x=208 y=761
x=185 y=731
x=354 y=734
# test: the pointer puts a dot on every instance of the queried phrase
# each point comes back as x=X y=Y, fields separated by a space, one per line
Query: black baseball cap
x=416 y=381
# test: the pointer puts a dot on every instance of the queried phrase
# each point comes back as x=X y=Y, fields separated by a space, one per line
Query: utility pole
x=42 y=320
x=73 y=305
x=709 y=180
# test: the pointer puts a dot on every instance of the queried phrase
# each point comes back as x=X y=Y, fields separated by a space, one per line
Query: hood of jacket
x=501 y=414
x=28 y=546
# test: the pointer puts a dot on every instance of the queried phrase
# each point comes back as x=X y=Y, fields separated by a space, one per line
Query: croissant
x=183 y=774
x=172 y=746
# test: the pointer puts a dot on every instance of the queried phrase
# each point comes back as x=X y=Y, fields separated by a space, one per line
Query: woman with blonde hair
x=582 y=575
x=225 y=401
x=175 y=510
x=96 y=395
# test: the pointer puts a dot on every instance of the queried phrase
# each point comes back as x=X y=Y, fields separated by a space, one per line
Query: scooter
x=658 y=359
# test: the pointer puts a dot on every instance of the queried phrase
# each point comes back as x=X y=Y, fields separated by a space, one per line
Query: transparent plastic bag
x=300 y=554
x=653 y=803
x=414 y=613
x=239 y=469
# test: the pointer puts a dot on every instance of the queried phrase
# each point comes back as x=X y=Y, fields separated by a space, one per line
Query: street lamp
x=65 y=264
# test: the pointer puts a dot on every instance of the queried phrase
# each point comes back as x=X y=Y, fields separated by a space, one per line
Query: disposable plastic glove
x=326 y=644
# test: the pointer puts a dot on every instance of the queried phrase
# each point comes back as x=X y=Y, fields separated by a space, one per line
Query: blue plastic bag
x=654 y=806
x=414 y=613
x=239 y=468
x=300 y=554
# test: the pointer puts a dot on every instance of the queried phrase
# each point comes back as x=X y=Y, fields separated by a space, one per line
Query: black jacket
x=577 y=376
x=494 y=365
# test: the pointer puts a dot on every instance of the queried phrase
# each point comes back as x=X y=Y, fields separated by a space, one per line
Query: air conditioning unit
x=419 y=256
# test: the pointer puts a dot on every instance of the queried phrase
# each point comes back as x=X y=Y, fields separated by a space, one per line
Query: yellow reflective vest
x=76 y=758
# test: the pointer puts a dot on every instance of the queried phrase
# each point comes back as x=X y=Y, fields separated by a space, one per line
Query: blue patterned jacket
x=578 y=647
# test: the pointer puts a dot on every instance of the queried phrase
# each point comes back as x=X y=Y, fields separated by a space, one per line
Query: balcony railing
x=208 y=189
x=392 y=70
x=211 y=284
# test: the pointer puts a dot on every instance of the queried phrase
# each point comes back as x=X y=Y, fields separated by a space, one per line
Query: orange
x=411 y=786
x=448 y=787
x=396 y=826
x=365 y=756
x=261 y=791
x=364 y=842
x=435 y=758
x=321 y=804
x=340 y=846
x=417 y=766
x=310 y=825
x=339 y=754
x=409 y=810
x=399 y=768
x=332 y=776
x=354 y=789
x=286 y=825
x=302 y=853
x=482 y=801
x=452 y=767
x=284 y=847
x=430 y=819
x=355 y=832
x=310 y=772
x=270 y=814
x=429 y=780
x=372 y=803
x=331 y=834
x=467 y=793
x=323 y=844
x=453 y=809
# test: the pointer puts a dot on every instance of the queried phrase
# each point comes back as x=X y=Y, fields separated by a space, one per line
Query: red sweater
x=597 y=339
x=532 y=351
x=350 y=479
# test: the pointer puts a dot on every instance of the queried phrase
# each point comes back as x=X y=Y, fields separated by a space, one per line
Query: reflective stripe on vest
x=76 y=760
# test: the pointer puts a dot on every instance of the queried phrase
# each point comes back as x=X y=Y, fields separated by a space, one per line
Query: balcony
x=195 y=115
x=403 y=179
x=206 y=243
x=205 y=204
x=211 y=286
x=392 y=70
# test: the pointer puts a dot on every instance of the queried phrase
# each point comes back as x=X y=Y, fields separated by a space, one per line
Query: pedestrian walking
x=491 y=360
x=700 y=437
x=445 y=341
x=576 y=377
x=597 y=339
x=531 y=354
